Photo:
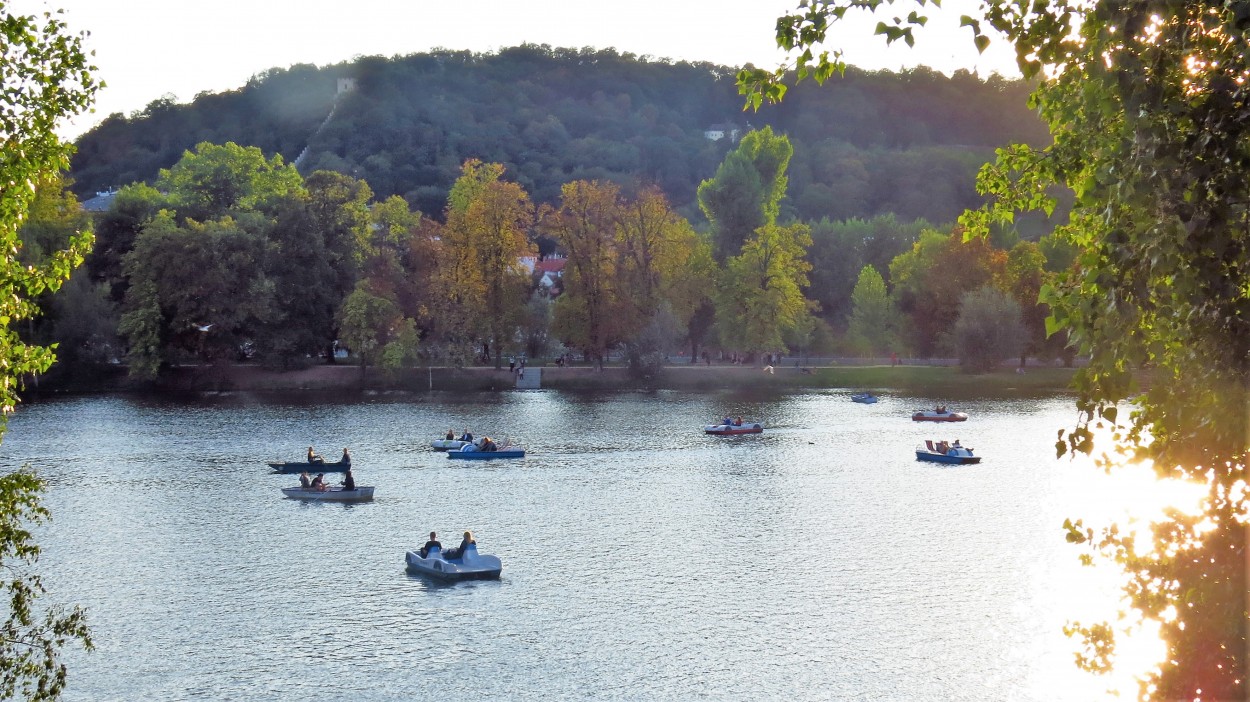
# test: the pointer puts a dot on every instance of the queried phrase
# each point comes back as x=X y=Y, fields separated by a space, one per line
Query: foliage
x=484 y=238
x=367 y=321
x=874 y=321
x=840 y=250
x=988 y=330
x=761 y=291
x=1148 y=108
x=745 y=194
x=214 y=181
x=46 y=77
x=866 y=143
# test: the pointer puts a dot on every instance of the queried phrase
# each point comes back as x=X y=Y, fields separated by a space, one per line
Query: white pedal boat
x=468 y=566
x=452 y=444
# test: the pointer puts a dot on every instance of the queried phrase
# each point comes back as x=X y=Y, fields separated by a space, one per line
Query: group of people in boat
x=732 y=422
x=466 y=436
x=450 y=553
x=318 y=482
x=945 y=446
x=315 y=458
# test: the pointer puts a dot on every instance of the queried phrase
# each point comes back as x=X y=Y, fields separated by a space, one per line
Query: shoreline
x=921 y=379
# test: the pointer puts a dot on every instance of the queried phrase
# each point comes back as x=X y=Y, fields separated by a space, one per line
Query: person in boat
x=488 y=444
x=304 y=481
x=314 y=457
x=943 y=447
x=956 y=444
x=727 y=422
x=451 y=436
x=432 y=543
x=347 y=457
x=319 y=482
x=738 y=422
x=458 y=552
x=349 y=481
x=467 y=436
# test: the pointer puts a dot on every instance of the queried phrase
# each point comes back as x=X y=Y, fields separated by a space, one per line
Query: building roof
x=551 y=265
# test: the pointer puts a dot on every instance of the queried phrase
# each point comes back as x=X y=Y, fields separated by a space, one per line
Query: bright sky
x=149 y=48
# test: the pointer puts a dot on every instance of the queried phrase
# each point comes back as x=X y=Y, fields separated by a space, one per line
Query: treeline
x=235 y=256
x=865 y=143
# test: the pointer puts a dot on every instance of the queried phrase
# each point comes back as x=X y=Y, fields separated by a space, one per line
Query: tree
x=761 y=293
x=874 y=321
x=745 y=194
x=216 y=180
x=588 y=315
x=1150 y=117
x=988 y=330
x=367 y=322
x=485 y=238
x=46 y=77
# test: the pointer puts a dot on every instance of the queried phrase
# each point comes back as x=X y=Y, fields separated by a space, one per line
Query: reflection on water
x=642 y=559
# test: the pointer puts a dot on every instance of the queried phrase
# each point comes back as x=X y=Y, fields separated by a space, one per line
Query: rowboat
x=468 y=566
x=302 y=466
x=360 y=494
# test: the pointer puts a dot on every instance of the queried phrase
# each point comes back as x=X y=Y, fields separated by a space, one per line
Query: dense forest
x=865 y=143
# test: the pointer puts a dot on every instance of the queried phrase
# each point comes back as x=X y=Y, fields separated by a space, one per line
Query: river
x=642 y=559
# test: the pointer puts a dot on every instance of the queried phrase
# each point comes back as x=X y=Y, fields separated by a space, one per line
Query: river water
x=642 y=559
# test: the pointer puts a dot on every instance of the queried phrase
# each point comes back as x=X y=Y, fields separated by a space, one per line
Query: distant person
x=319 y=482
x=488 y=444
x=511 y=364
x=738 y=422
x=347 y=457
x=451 y=436
x=314 y=457
x=349 y=481
x=467 y=436
x=432 y=543
x=304 y=481
x=727 y=421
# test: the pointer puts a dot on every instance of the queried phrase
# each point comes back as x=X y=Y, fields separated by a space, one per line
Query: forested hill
x=865 y=143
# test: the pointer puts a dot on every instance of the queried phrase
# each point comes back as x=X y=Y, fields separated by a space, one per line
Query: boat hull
x=449 y=444
x=486 y=455
x=302 y=466
x=864 y=399
x=360 y=494
x=471 y=567
x=733 y=429
x=945 y=458
x=939 y=417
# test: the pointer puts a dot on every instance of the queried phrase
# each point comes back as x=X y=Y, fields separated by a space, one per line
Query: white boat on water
x=335 y=494
x=452 y=444
x=469 y=565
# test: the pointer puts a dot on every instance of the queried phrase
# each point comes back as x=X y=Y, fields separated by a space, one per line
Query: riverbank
x=918 y=379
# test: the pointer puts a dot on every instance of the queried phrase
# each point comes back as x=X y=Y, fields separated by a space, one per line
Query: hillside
x=865 y=143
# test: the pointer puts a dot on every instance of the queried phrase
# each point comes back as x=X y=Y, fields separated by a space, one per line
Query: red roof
x=550 y=265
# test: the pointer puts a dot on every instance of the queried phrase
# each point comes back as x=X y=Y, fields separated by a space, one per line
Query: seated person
x=319 y=482
x=466 y=436
x=458 y=552
x=450 y=435
x=738 y=422
x=304 y=481
x=314 y=457
x=347 y=457
x=349 y=482
x=488 y=444
x=432 y=543
x=727 y=421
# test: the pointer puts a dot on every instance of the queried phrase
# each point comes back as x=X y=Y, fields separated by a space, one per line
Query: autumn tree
x=485 y=236
x=215 y=180
x=590 y=313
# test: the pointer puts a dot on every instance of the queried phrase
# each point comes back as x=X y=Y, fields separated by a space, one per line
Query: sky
x=147 y=49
